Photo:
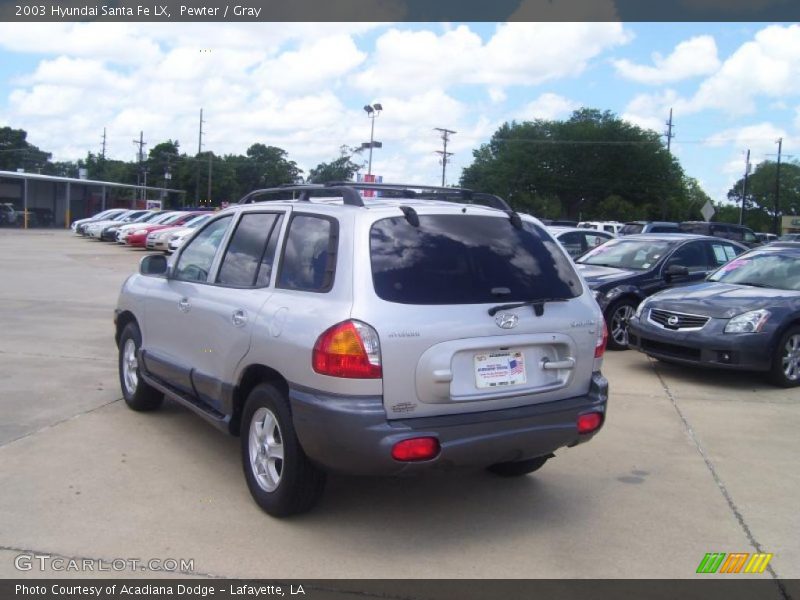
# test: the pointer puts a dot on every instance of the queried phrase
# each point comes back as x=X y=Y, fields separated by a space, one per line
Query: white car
x=609 y=226
x=95 y=228
x=577 y=241
x=106 y=214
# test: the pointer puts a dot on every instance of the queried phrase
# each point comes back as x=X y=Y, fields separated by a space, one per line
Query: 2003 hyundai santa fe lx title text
x=418 y=330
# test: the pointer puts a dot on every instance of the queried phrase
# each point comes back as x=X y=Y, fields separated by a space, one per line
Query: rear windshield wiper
x=538 y=305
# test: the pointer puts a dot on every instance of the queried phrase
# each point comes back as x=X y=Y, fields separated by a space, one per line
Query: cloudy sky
x=302 y=87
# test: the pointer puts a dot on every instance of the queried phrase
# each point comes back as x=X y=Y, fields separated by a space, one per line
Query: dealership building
x=57 y=201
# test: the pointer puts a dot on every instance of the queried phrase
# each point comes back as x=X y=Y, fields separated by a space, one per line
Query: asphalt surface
x=689 y=462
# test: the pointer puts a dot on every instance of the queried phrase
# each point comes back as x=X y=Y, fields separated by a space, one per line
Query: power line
x=443 y=152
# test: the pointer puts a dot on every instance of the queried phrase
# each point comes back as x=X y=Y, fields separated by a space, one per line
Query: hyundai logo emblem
x=506 y=321
x=673 y=320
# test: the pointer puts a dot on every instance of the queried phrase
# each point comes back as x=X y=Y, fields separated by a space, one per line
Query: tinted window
x=698 y=228
x=196 y=259
x=309 y=254
x=692 y=255
x=664 y=229
x=467 y=259
x=631 y=228
x=246 y=253
x=573 y=242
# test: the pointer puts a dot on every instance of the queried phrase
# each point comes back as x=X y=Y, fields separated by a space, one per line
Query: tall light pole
x=373 y=111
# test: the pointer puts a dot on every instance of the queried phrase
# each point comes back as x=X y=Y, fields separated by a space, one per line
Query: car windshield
x=467 y=259
x=631 y=228
x=779 y=270
x=172 y=218
x=196 y=221
x=164 y=218
x=626 y=254
x=145 y=217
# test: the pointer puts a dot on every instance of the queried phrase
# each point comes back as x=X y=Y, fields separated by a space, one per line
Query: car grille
x=675 y=321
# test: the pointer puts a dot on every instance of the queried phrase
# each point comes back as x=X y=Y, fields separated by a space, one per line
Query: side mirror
x=677 y=271
x=155 y=264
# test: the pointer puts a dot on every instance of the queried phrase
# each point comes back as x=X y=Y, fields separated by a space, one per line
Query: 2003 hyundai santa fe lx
x=416 y=330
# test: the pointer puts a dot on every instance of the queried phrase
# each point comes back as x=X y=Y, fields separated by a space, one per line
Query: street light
x=373 y=111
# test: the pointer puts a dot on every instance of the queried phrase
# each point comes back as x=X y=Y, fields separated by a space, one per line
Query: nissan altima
x=745 y=316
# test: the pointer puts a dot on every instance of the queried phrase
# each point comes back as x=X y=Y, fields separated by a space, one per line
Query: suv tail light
x=350 y=349
x=589 y=422
x=602 y=340
x=422 y=448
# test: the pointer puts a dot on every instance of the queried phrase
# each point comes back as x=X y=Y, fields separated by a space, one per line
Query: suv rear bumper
x=352 y=435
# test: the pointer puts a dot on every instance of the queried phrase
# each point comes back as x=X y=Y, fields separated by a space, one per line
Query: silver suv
x=402 y=330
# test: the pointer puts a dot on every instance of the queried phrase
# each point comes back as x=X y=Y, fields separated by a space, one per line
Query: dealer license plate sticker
x=499 y=369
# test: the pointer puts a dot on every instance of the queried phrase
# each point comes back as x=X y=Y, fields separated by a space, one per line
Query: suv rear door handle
x=239 y=318
x=184 y=305
x=555 y=365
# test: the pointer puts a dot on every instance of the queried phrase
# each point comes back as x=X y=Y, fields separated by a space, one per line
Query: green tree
x=761 y=186
x=583 y=162
x=17 y=153
x=341 y=169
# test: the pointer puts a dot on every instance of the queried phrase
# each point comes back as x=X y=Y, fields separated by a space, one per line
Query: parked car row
x=163 y=230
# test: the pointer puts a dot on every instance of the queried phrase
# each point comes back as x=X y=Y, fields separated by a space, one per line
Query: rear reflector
x=600 y=347
x=423 y=448
x=589 y=422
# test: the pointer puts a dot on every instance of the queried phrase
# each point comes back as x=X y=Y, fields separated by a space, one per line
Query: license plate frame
x=499 y=369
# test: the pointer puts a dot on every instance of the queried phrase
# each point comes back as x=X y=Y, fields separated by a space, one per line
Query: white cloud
x=690 y=58
x=517 y=54
x=651 y=111
x=548 y=106
x=769 y=65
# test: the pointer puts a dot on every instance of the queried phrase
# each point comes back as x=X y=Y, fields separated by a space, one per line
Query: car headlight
x=749 y=322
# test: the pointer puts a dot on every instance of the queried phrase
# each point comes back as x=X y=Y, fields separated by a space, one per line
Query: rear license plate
x=499 y=369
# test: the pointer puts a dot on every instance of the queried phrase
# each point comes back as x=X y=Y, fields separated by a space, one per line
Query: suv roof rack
x=349 y=196
x=430 y=192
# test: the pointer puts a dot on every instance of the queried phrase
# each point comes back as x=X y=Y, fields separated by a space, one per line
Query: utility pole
x=103 y=151
x=776 y=220
x=208 y=198
x=743 y=208
x=443 y=152
x=141 y=143
x=669 y=136
x=199 y=150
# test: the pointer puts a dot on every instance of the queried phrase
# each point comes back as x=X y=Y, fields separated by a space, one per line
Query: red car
x=138 y=237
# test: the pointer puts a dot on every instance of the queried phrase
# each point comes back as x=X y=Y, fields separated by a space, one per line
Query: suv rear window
x=467 y=259
x=631 y=228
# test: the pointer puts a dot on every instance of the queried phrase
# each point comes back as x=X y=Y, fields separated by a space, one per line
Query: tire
x=617 y=317
x=785 y=371
x=138 y=395
x=518 y=468
x=281 y=478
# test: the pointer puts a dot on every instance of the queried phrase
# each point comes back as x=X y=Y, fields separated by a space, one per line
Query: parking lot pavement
x=688 y=462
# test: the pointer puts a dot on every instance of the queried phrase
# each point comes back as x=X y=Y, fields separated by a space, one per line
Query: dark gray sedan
x=745 y=316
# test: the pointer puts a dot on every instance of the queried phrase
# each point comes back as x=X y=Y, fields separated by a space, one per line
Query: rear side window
x=247 y=257
x=309 y=254
x=723 y=253
x=467 y=259
x=664 y=229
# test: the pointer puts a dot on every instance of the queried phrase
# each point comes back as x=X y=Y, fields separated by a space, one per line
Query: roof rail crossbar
x=439 y=192
x=349 y=195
